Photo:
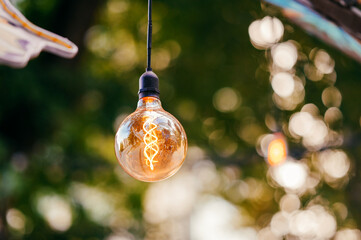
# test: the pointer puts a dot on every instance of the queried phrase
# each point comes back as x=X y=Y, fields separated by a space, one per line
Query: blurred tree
x=58 y=174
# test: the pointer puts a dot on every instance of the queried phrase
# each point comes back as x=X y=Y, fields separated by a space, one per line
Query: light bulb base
x=148 y=85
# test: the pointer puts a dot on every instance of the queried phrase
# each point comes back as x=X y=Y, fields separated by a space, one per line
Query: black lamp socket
x=148 y=85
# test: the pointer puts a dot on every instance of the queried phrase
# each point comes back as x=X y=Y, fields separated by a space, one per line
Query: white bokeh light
x=16 y=219
x=348 y=234
x=215 y=218
x=313 y=223
x=317 y=137
x=56 y=210
x=284 y=55
x=170 y=199
x=283 y=84
x=304 y=223
x=313 y=130
x=290 y=203
x=323 y=62
x=267 y=234
x=301 y=123
x=280 y=223
x=98 y=205
x=291 y=175
x=334 y=163
x=265 y=32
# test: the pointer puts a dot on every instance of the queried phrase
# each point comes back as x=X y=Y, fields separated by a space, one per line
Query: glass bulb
x=150 y=144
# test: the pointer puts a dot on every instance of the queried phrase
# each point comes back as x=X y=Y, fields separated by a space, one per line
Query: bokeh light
x=334 y=163
x=323 y=62
x=279 y=223
x=267 y=234
x=290 y=203
x=284 y=55
x=16 y=220
x=58 y=174
x=98 y=205
x=283 y=84
x=277 y=151
x=331 y=97
x=226 y=100
x=291 y=175
x=215 y=218
x=312 y=73
x=170 y=199
x=333 y=116
x=313 y=223
x=301 y=124
x=56 y=210
x=265 y=32
x=349 y=234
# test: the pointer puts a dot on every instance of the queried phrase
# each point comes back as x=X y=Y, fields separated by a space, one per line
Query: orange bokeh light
x=277 y=151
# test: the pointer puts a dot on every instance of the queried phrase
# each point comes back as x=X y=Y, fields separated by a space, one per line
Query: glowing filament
x=151 y=148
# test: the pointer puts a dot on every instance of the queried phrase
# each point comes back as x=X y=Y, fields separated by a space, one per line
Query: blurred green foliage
x=58 y=117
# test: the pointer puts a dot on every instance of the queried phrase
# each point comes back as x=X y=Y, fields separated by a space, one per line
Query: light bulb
x=150 y=144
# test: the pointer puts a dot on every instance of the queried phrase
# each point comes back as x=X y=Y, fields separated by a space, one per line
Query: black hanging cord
x=149 y=82
x=149 y=41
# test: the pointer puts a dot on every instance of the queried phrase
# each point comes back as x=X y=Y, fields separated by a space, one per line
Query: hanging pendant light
x=150 y=143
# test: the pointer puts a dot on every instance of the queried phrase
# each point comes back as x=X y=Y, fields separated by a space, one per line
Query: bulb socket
x=148 y=85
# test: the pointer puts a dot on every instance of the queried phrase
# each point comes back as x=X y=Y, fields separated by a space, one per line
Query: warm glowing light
x=277 y=152
x=150 y=139
x=150 y=144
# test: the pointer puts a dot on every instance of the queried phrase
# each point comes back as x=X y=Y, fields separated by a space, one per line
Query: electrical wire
x=149 y=40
